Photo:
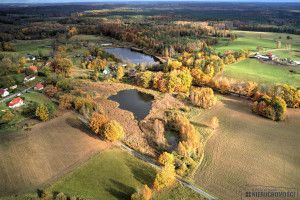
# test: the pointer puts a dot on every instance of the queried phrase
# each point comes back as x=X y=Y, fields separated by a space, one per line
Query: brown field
x=248 y=149
x=34 y=159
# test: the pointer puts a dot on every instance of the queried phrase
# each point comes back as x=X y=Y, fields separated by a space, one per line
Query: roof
x=39 y=86
x=15 y=101
x=2 y=91
x=269 y=54
x=33 y=68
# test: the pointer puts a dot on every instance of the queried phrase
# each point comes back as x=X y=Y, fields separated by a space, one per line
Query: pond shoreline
x=155 y=57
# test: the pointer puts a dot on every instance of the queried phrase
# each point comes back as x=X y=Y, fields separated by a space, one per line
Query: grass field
x=34 y=159
x=253 y=70
x=268 y=36
x=111 y=174
x=248 y=149
x=244 y=43
x=33 y=47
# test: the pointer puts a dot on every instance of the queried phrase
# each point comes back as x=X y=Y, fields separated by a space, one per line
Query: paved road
x=14 y=95
x=138 y=155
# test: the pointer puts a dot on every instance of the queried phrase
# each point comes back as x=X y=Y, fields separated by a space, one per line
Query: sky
x=66 y=1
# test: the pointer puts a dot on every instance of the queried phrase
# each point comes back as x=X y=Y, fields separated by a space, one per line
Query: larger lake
x=132 y=56
x=134 y=101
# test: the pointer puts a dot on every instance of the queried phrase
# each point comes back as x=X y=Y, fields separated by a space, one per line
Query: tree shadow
x=120 y=190
x=82 y=127
x=199 y=124
x=145 y=175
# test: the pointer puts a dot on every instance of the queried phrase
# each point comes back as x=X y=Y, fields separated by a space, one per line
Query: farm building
x=29 y=78
x=13 y=87
x=38 y=87
x=17 y=102
x=4 y=93
x=296 y=62
x=33 y=68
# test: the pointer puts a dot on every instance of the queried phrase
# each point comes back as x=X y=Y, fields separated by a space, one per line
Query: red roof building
x=38 y=87
x=3 y=93
x=33 y=68
x=270 y=54
x=16 y=102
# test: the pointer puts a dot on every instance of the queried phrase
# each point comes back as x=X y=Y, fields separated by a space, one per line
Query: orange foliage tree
x=98 y=122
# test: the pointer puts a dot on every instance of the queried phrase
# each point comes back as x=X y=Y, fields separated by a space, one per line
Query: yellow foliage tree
x=120 y=73
x=166 y=159
x=42 y=112
x=113 y=131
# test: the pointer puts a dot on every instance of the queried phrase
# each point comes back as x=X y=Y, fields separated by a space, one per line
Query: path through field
x=34 y=159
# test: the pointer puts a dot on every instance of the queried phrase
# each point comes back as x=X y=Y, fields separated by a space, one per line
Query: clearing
x=248 y=149
x=253 y=70
x=37 y=158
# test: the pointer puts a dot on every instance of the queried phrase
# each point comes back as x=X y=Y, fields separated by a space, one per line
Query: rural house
x=33 y=68
x=29 y=78
x=17 y=102
x=38 y=87
x=4 y=93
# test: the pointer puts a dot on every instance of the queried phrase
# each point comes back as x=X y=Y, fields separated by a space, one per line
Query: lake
x=132 y=56
x=138 y=103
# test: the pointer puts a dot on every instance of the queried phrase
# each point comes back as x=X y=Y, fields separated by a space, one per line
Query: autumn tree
x=42 y=112
x=174 y=82
x=185 y=80
x=146 y=79
x=113 y=131
x=7 y=116
x=203 y=97
x=278 y=44
x=98 y=123
x=229 y=59
x=214 y=123
x=166 y=176
x=144 y=194
x=251 y=87
x=166 y=159
x=22 y=61
x=270 y=107
x=50 y=90
x=65 y=101
x=120 y=73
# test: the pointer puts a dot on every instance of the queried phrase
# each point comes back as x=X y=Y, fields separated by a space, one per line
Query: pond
x=138 y=103
x=132 y=56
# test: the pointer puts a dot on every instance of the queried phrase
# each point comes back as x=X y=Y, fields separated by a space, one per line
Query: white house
x=297 y=62
x=4 y=93
x=17 y=102
x=13 y=87
x=28 y=78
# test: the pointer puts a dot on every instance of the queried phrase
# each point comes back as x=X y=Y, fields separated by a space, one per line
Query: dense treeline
x=270 y=28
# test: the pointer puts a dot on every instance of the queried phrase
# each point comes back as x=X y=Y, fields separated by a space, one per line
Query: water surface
x=132 y=56
x=138 y=103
